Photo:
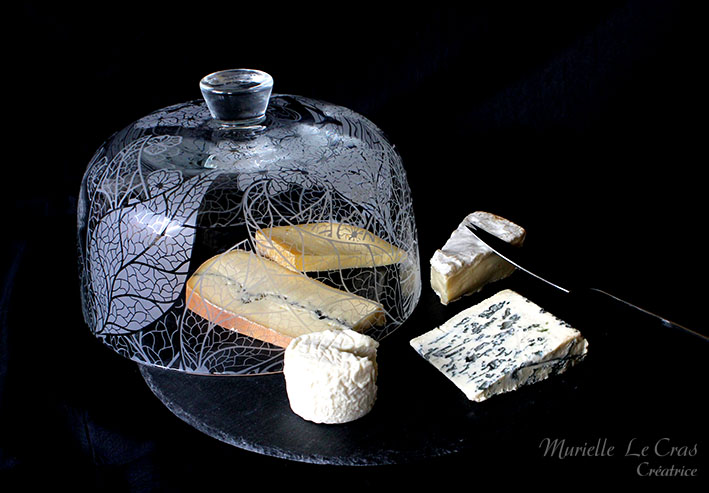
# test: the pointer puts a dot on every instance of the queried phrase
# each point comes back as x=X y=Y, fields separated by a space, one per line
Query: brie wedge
x=325 y=246
x=331 y=375
x=501 y=344
x=255 y=296
x=464 y=265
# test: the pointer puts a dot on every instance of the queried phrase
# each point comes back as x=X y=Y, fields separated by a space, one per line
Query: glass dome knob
x=237 y=97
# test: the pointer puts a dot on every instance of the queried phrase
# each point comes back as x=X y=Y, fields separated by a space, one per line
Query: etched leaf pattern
x=138 y=223
x=139 y=272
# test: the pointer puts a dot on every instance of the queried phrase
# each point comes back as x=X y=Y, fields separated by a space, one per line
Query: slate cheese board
x=419 y=414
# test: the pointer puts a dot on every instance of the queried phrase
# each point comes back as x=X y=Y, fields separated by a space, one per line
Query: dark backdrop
x=585 y=122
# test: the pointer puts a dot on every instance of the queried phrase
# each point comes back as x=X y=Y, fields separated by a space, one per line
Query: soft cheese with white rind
x=255 y=296
x=500 y=344
x=464 y=265
x=331 y=375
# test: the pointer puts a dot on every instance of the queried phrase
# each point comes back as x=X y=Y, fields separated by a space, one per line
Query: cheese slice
x=464 y=265
x=325 y=246
x=255 y=296
x=331 y=375
x=501 y=344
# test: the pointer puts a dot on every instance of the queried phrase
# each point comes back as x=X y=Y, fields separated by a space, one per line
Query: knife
x=514 y=255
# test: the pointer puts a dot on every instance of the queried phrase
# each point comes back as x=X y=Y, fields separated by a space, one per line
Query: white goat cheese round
x=331 y=375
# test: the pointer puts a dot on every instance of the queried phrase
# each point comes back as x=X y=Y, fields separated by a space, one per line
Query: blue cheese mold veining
x=500 y=344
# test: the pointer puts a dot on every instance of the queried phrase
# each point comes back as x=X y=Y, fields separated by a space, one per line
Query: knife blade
x=515 y=256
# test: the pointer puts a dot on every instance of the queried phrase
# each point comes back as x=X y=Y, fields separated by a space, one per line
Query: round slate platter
x=418 y=414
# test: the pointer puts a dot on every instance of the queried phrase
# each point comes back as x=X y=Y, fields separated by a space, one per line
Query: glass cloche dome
x=213 y=232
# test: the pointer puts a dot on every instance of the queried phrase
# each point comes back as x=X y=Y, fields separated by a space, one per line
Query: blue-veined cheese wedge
x=257 y=297
x=500 y=344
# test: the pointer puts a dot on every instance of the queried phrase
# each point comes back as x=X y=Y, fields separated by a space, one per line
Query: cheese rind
x=325 y=246
x=255 y=296
x=500 y=344
x=464 y=265
x=331 y=375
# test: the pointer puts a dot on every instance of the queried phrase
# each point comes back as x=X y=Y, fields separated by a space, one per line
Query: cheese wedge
x=500 y=344
x=331 y=376
x=324 y=246
x=464 y=265
x=253 y=295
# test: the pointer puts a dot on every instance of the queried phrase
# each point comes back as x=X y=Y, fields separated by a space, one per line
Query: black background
x=586 y=125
